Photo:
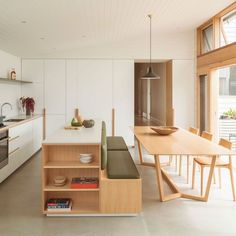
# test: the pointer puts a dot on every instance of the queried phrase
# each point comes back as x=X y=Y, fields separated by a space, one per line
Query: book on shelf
x=59 y=204
x=84 y=182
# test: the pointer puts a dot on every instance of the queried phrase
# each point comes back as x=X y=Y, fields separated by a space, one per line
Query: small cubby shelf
x=51 y=187
x=63 y=160
x=69 y=164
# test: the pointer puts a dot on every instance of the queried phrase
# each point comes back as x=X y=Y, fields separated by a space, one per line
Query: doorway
x=153 y=98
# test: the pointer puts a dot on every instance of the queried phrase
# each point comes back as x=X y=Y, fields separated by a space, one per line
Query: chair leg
x=176 y=163
x=187 y=169
x=219 y=173
x=193 y=174
x=214 y=177
x=180 y=165
x=202 y=176
x=232 y=181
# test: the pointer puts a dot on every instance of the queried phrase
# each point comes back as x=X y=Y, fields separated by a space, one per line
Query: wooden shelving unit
x=6 y=80
x=63 y=160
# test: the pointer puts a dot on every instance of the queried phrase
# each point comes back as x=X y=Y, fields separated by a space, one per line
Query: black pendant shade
x=150 y=74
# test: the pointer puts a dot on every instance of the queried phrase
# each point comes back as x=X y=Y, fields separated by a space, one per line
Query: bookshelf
x=64 y=160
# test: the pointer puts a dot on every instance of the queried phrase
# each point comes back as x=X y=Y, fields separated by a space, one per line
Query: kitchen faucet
x=6 y=103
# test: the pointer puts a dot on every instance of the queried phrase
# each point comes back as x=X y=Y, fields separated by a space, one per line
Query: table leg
x=205 y=197
x=159 y=177
x=140 y=152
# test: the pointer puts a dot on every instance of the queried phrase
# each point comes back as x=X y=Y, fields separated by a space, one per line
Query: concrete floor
x=20 y=214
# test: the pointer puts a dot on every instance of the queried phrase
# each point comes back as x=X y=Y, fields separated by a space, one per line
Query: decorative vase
x=28 y=112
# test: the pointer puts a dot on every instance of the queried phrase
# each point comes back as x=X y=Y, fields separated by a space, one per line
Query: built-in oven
x=4 y=142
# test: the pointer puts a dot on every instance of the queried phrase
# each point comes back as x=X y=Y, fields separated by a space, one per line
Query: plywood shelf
x=6 y=80
x=86 y=208
x=50 y=187
x=69 y=164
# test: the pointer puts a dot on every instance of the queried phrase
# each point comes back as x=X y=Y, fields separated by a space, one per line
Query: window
x=228 y=29
x=227 y=82
x=207 y=39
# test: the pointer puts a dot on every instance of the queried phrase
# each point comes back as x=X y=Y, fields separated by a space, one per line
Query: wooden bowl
x=164 y=130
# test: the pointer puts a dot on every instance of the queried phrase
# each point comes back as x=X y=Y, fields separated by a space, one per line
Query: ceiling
x=30 y=28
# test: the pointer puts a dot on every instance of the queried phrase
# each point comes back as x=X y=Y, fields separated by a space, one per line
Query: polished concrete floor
x=20 y=213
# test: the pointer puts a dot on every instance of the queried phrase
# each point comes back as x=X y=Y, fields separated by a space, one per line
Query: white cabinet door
x=123 y=98
x=55 y=84
x=37 y=134
x=53 y=123
x=94 y=90
x=71 y=88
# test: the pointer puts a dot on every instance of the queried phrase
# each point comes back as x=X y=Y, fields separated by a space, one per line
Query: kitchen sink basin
x=14 y=120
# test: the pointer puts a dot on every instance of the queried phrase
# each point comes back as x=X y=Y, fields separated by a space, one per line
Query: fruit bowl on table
x=164 y=130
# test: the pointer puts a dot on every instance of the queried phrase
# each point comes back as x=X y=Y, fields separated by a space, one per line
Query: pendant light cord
x=150 y=17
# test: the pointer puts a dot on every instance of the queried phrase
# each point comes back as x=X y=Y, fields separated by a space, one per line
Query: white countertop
x=81 y=136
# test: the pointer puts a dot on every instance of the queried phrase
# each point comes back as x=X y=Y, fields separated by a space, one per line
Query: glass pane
x=227 y=81
x=207 y=34
x=228 y=29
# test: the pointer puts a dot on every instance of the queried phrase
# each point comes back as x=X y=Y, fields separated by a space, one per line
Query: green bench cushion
x=116 y=143
x=103 y=147
x=120 y=165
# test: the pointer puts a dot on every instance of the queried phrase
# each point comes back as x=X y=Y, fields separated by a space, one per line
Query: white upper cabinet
x=123 y=98
x=71 y=88
x=33 y=70
x=55 y=84
x=94 y=90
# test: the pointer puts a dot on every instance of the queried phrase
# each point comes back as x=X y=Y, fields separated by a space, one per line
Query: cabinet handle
x=3 y=140
x=11 y=139
x=13 y=151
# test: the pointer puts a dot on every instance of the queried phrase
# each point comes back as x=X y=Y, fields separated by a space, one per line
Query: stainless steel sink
x=14 y=120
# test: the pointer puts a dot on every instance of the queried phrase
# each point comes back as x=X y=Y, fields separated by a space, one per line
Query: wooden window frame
x=216 y=22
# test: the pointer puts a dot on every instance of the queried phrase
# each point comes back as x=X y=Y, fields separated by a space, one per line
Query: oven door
x=3 y=148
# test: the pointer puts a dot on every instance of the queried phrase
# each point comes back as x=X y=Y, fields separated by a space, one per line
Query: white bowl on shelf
x=86 y=158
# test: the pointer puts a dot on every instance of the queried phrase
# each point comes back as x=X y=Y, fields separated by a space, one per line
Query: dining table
x=181 y=143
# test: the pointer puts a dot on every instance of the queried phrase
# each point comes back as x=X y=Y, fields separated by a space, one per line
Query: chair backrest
x=207 y=135
x=193 y=130
x=225 y=143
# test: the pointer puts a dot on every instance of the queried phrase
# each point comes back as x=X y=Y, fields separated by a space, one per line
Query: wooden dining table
x=182 y=143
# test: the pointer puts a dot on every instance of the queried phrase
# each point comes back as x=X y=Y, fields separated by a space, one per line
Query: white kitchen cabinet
x=71 y=88
x=54 y=87
x=37 y=133
x=25 y=140
x=53 y=123
x=94 y=90
x=123 y=99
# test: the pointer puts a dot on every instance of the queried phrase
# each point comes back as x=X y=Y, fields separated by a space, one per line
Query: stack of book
x=59 y=204
x=84 y=182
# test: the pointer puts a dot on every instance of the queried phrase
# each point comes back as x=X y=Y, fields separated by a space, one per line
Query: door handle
x=11 y=139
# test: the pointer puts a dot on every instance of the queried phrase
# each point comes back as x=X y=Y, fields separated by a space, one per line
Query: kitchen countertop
x=81 y=136
x=13 y=124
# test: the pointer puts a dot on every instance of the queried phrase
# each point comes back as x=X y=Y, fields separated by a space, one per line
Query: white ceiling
x=72 y=24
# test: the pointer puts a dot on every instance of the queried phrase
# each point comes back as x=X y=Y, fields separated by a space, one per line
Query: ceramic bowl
x=164 y=130
x=86 y=158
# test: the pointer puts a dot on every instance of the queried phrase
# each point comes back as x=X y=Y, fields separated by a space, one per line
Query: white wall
x=183 y=93
x=9 y=92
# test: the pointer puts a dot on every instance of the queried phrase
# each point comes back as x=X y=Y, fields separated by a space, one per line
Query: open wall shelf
x=6 y=80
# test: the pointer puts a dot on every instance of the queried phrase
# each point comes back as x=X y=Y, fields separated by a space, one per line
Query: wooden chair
x=206 y=162
x=194 y=131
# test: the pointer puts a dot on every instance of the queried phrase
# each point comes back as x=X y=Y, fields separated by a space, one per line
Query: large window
x=228 y=29
x=207 y=39
x=227 y=81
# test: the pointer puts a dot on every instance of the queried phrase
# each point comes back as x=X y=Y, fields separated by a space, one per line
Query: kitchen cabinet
x=123 y=99
x=24 y=140
x=55 y=83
